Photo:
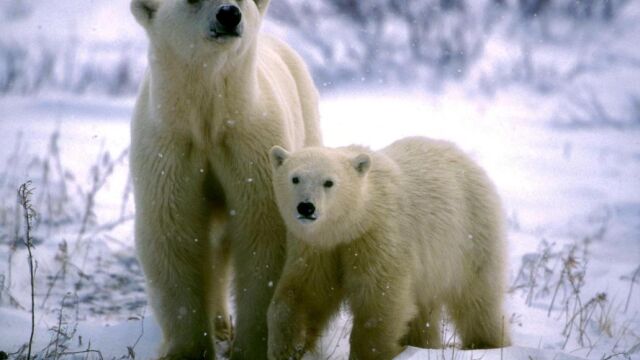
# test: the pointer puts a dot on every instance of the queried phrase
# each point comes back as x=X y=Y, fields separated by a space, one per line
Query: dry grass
x=80 y=275
x=555 y=278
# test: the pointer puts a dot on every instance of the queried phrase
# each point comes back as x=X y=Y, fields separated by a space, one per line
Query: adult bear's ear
x=262 y=5
x=144 y=10
x=362 y=163
x=278 y=155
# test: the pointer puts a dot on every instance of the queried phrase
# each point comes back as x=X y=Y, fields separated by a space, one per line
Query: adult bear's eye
x=328 y=184
x=295 y=180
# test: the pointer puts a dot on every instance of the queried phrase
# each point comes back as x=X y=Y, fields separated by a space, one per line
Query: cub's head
x=197 y=29
x=321 y=193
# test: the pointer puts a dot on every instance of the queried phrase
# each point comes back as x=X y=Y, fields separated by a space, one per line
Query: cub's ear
x=144 y=10
x=278 y=155
x=362 y=163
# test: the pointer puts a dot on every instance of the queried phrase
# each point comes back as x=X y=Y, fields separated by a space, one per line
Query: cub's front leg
x=287 y=330
x=308 y=294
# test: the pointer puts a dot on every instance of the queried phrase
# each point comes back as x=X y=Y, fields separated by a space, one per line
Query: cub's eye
x=193 y=2
x=295 y=180
x=328 y=184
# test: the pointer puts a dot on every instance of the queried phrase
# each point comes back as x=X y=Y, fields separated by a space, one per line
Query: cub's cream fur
x=209 y=110
x=397 y=234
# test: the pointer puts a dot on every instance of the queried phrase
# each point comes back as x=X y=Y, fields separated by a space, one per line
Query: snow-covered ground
x=556 y=123
x=560 y=187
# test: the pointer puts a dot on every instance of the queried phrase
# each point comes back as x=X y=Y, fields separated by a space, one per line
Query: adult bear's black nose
x=229 y=16
x=306 y=209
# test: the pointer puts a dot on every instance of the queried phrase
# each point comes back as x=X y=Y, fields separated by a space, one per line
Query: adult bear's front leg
x=258 y=239
x=172 y=228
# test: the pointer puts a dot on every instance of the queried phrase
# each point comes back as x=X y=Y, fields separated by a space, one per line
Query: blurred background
x=543 y=93
x=547 y=46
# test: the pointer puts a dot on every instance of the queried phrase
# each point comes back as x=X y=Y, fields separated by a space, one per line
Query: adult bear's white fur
x=397 y=234
x=206 y=116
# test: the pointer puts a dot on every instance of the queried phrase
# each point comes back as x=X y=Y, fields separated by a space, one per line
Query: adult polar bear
x=216 y=97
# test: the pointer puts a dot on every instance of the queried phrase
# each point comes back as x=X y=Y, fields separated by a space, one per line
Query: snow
x=554 y=123
x=513 y=352
x=549 y=192
x=111 y=340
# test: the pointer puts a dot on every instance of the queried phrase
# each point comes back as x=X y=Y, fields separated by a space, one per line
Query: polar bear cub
x=397 y=234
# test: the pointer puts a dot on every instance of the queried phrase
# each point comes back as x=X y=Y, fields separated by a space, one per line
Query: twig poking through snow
x=24 y=194
x=634 y=278
x=131 y=353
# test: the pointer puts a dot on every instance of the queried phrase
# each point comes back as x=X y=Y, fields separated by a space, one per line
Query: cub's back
x=432 y=170
x=443 y=191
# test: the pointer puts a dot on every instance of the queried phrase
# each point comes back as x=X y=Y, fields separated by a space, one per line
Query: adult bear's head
x=200 y=31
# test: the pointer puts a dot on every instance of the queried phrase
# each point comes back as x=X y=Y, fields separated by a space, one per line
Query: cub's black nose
x=229 y=16
x=306 y=209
